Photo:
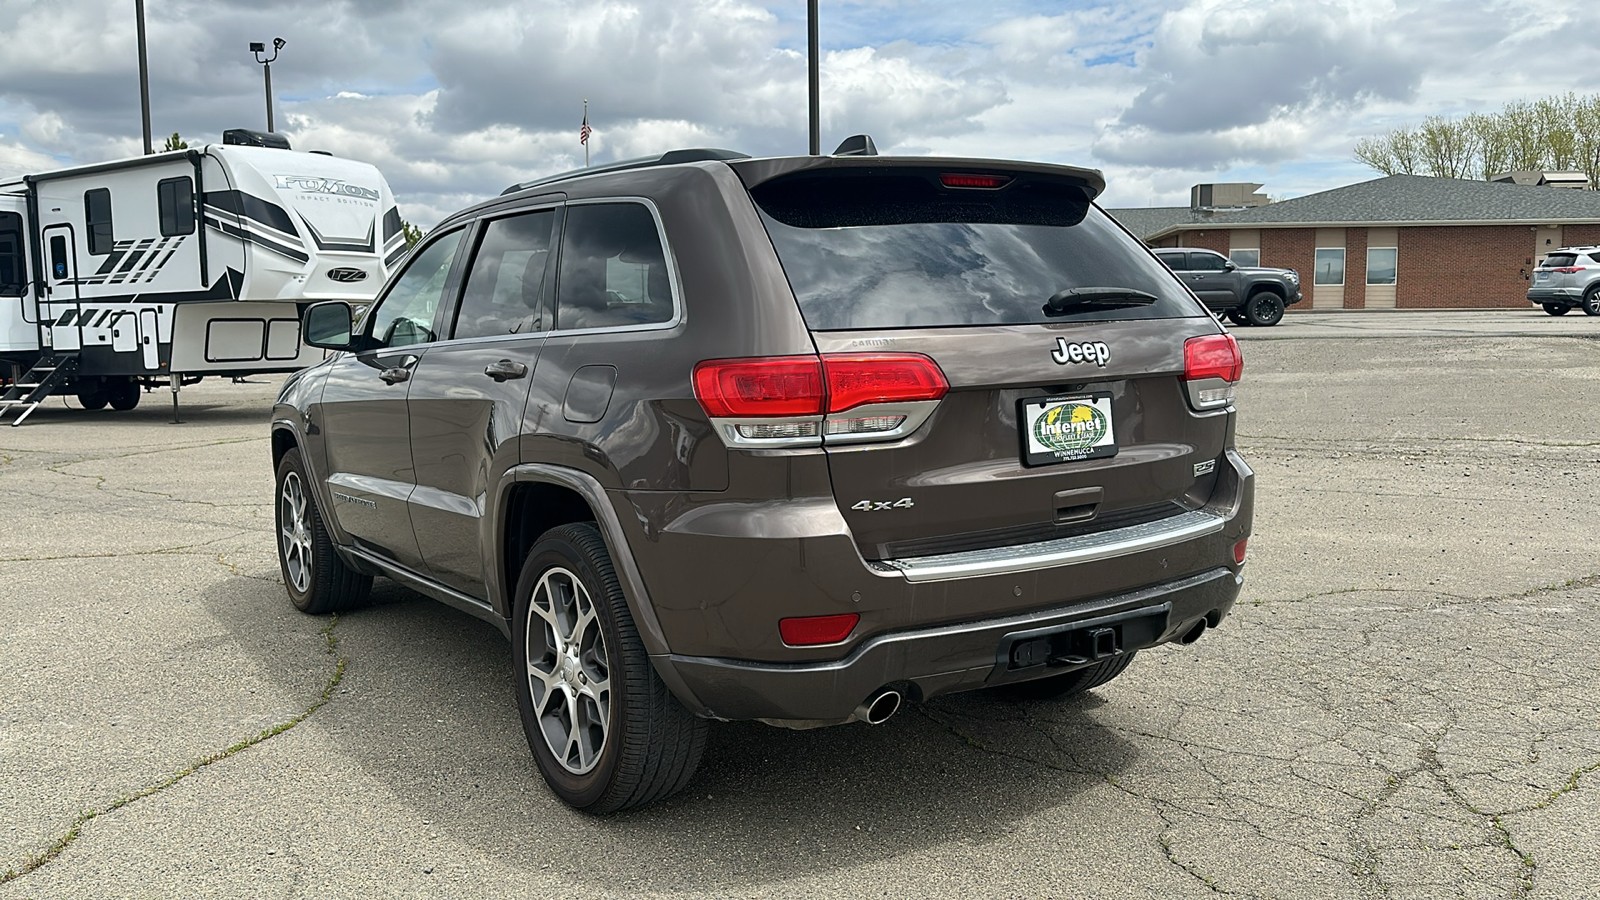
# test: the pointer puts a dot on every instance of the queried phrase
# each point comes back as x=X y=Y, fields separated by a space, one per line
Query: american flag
x=583 y=133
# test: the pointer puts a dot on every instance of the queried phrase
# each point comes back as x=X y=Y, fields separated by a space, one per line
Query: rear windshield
x=870 y=250
x=1558 y=260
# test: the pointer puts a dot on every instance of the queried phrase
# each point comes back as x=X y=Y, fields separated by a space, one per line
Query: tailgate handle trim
x=1061 y=551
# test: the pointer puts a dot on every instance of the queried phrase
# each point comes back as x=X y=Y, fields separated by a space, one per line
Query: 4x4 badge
x=1096 y=352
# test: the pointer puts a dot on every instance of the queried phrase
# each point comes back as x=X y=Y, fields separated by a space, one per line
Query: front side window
x=613 y=269
x=13 y=271
x=1246 y=258
x=1381 y=264
x=1206 y=262
x=175 y=202
x=1330 y=265
x=97 y=218
x=504 y=291
x=405 y=315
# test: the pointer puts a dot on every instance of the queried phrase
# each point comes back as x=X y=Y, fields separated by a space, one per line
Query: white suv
x=1568 y=277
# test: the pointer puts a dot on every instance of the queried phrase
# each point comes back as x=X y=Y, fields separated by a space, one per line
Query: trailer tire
x=317 y=579
x=95 y=399
x=123 y=395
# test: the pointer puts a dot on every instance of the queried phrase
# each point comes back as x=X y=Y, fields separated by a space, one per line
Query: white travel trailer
x=162 y=269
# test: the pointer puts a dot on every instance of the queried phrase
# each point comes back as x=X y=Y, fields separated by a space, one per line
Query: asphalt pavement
x=1403 y=704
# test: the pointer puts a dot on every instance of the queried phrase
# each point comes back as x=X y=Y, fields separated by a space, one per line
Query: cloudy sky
x=455 y=99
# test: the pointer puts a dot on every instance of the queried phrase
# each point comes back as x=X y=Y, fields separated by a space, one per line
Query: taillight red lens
x=760 y=388
x=966 y=180
x=1212 y=356
x=855 y=379
x=1568 y=270
x=809 y=631
x=809 y=385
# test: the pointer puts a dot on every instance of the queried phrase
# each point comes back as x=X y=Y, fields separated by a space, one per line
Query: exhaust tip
x=1194 y=633
x=880 y=708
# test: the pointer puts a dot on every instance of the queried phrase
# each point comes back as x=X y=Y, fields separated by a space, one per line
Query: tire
x=123 y=395
x=606 y=733
x=1237 y=317
x=1557 y=309
x=95 y=399
x=1264 y=308
x=317 y=580
x=1071 y=684
x=1591 y=302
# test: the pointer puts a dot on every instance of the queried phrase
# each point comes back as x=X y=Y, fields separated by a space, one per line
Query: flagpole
x=586 y=137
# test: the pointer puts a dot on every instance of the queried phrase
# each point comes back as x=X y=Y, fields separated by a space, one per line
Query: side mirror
x=1229 y=266
x=327 y=325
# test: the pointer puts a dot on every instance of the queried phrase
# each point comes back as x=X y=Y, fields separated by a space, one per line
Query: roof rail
x=670 y=158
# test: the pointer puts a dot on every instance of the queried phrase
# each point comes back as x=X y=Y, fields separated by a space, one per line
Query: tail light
x=1568 y=270
x=792 y=401
x=1212 y=366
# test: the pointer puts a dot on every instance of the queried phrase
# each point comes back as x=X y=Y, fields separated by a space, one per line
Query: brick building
x=1405 y=241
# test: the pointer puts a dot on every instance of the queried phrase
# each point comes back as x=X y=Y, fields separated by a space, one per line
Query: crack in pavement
x=180 y=550
x=60 y=844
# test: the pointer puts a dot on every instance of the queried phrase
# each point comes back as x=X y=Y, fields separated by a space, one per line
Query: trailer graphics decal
x=131 y=262
x=313 y=185
x=255 y=221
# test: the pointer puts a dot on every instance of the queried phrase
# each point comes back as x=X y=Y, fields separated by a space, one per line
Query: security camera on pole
x=258 y=48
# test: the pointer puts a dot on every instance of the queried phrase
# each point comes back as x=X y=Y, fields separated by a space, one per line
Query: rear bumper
x=927 y=662
x=1541 y=295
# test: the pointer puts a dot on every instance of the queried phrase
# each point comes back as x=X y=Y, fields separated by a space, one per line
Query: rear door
x=1060 y=418
x=468 y=393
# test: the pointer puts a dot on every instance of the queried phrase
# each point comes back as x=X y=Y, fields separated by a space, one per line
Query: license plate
x=1541 y=276
x=1063 y=429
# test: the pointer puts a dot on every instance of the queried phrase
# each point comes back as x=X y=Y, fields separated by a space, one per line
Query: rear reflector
x=1238 y=551
x=965 y=180
x=810 y=631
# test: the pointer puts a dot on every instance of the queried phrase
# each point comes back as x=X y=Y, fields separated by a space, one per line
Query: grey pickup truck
x=1253 y=295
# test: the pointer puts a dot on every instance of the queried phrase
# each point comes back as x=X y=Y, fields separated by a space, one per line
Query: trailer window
x=97 y=216
x=13 y=268
x=175 y=199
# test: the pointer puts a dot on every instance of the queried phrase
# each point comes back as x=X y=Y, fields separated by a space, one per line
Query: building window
x=1330 y=265
x=97 y=216
x=175 y=201
x=1245 y=257
x=13 y=274
x=1381 y=264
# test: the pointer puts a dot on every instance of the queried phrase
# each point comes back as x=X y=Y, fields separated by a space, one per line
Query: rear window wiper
x=1062 y=301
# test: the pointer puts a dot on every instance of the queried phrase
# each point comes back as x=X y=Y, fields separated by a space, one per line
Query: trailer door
x=60 y=309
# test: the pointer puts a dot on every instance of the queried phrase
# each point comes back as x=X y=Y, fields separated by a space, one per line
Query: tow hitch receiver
x=1080 y=643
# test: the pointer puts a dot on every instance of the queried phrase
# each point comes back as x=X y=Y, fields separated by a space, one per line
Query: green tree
x=1558 y=133
x=176 y=143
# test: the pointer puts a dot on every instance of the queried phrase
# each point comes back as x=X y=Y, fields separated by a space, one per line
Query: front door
x=1210 y=277
x=366 y=429
x=61 y=311
x=468 y=394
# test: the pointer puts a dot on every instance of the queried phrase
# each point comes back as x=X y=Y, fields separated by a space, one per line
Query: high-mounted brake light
x=967 y=180
x=798 y=400
x=1212 y=365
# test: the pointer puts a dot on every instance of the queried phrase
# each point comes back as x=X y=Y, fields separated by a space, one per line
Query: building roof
x=1149 y=220
x=1413 y=200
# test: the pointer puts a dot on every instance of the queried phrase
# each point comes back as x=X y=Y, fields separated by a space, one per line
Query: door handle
x=504 y=369
x=397 y=374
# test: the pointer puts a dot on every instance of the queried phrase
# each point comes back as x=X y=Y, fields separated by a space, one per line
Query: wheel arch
x=534 y=497
x=1267 y=287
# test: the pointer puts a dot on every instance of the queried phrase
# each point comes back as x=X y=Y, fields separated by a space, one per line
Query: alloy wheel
x=294 y=525
x=568 y=672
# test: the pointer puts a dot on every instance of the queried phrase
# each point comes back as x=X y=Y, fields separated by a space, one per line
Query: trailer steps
x=36 y=385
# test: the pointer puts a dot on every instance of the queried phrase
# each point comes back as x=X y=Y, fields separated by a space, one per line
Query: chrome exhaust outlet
x=879 y=708
x=1194 y=633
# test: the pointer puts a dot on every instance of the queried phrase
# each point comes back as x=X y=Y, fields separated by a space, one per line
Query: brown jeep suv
x=795 y=440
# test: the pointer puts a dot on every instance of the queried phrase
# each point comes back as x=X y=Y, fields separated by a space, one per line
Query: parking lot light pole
x=259 y=48
x=811 y=79
x=144 y=76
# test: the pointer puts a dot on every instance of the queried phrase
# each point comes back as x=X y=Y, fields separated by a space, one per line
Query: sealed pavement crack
x=60 y=844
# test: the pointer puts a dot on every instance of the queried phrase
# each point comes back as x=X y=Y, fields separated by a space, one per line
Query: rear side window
x=97 y=218
x=13 y=274
x=870 y=249
x=175 y=203
x=504 y=291
x=613 y=269
x=1559 y=260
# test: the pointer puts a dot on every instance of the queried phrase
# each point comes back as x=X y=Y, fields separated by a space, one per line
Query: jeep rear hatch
x=1012 y=364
